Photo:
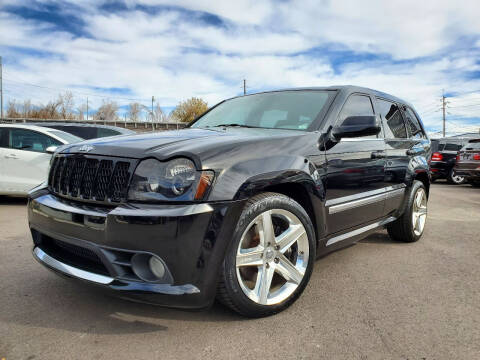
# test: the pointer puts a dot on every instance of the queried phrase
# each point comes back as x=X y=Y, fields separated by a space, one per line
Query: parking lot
x=375 y=300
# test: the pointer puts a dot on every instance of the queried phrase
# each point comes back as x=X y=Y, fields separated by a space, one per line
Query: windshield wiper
x=236 y=125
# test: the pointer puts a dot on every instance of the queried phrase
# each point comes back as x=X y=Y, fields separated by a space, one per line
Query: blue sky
x=130 y=50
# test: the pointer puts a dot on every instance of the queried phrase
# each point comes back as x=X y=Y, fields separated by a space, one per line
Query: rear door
x=26 y=160
x=355 y=173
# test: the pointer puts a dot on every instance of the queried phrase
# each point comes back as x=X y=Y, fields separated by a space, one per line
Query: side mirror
x=356 y=126
x=51 y=149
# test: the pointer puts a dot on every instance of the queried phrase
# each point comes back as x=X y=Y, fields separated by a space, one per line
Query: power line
x=76 y=92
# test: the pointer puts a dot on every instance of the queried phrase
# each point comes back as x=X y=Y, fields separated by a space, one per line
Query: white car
x=25 y=152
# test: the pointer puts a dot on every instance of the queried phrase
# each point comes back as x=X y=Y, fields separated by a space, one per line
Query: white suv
x=25 y=152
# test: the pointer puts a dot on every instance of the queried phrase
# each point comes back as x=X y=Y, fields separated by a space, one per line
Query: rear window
x=69 y=138
x=472 y=146
x=452 y=147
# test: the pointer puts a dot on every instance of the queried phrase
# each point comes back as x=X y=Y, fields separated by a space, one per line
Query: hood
x=176 y=142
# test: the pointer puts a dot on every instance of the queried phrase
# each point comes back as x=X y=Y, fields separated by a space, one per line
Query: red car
x=468 y=162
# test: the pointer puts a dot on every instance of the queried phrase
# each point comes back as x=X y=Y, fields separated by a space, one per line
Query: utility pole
x=1 y=89
x=444 y=104
x=87 y=108
x=244 y=87
x=153 y=99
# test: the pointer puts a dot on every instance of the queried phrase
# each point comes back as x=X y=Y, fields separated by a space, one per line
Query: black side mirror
x=356 y=126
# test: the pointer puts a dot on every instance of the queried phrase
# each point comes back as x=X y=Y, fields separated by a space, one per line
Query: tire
x=286 y=266
x=454 y=179
x=403 y=228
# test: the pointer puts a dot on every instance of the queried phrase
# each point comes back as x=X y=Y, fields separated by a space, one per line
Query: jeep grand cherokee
x=239 y=204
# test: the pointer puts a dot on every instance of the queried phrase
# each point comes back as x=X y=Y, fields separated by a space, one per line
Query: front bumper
x=96 y=245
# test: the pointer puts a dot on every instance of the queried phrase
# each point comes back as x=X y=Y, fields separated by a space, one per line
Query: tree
x=82 y=109
x=189 y=109
x=65 y=103
x=134 y=110
x=107 y=111
x=12 y=109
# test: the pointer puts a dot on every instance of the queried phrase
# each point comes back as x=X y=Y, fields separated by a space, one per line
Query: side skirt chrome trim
x=359 y=231
x=357 y=203
x=46 y=259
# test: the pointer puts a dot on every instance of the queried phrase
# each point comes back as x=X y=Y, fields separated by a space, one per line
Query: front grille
x=90 y=178
x=73 y=255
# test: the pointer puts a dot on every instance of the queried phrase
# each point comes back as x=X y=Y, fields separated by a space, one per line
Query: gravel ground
x=376 y=300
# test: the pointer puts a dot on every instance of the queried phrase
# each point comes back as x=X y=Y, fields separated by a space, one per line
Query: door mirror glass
x=356 y=126
x=51 y=149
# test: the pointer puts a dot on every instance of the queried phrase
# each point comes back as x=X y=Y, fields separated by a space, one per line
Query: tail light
x=476 y=156
x=457 y=158
x=436 y=156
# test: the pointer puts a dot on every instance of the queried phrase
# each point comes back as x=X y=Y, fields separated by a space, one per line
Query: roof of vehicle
x=347 y=89
x=116 y=128
x=42 y=129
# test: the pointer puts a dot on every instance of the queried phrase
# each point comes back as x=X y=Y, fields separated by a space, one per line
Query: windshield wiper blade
x=236 y=125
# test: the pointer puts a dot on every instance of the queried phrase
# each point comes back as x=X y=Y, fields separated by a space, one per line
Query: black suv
x=238 y=205
x=442 y=161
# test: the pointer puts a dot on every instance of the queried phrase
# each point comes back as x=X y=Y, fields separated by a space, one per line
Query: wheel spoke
x=264 y=281
x=250 y=257
x=289 y=237
x=422 y=211
x=288 y=270
x=265 y=230
x=419 y=198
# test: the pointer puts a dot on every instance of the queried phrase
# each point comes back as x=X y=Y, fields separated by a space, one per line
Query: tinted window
x=452 y=147
x=103 y=132
x=413 y=125
x=23 y=139
x=281 y=110
x=392 y=119
x=4 y=137
x=69 y=138
x=357 y=105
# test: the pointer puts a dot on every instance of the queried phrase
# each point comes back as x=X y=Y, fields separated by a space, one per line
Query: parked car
x=25 y=153
x=239 y=204
x=468 y=162
x=88 y=131
x=442 y=162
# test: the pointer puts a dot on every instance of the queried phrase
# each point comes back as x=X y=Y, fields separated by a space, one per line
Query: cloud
x=178 y=49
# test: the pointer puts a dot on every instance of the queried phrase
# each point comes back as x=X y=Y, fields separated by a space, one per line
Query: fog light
x=150 y=268
x=156 y=266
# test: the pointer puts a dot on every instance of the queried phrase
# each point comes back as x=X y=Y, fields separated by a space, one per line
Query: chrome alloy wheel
x=419 y=212
x=272 y=257
x=457 y=179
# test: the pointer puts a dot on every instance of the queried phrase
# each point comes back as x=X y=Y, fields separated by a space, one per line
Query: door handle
x=378 y=155
x=12 y=156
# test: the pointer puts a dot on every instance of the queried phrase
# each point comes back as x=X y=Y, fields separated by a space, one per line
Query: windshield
x=294 y=110
x=69 y=138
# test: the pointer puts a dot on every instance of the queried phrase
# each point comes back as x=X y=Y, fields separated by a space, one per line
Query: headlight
x=177 y=179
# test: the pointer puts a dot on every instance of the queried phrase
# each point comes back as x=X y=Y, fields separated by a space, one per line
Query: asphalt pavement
x=378 y=299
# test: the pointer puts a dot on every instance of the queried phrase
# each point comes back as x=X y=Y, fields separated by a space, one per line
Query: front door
x=25 y=160
x=355 y=173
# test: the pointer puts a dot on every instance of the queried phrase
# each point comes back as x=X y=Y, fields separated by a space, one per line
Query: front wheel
x=270 y=258
x=453 y=178
x=410 y=225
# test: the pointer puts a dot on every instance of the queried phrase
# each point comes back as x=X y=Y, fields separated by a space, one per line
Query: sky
x=130 y=50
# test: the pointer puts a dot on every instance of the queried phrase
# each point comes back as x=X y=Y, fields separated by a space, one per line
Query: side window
x=4 y=137
x=357 y=105
x=392 y=119
x=22 y=139
x=413 y=125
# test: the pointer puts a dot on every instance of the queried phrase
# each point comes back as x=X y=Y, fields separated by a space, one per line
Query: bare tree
x=12 y=109
x=134 y=110
x=81 y=110
x=107 y=111
x=66 y=105
x=27 y=108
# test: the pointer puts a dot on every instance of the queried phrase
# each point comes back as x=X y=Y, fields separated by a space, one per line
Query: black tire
x=229 y=291
x=452 y=180
x=402 y=228
x=475 y=184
